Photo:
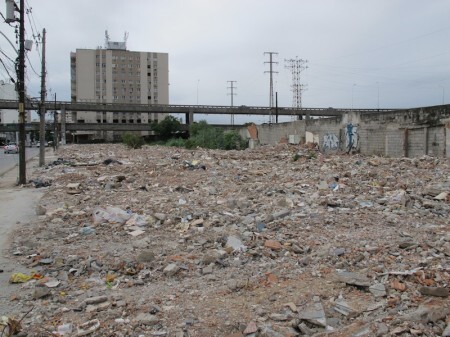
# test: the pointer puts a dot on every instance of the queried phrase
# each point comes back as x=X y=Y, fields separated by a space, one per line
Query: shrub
x=178 y=142
x=132 y=140
x=233 y=141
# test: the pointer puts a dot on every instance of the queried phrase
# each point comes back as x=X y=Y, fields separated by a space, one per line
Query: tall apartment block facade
x=117 y=75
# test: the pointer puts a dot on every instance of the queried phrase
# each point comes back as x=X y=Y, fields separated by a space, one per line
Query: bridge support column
x=63 y=124
x=190 y=117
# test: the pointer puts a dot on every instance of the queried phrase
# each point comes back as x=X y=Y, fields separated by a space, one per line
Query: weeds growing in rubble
x=132 y=140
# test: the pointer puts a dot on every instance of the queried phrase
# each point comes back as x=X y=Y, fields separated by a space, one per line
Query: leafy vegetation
x=167 y=127
x=132 y=140
x=206 y=136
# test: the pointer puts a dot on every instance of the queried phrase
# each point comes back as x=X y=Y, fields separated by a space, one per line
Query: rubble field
x=272 y=242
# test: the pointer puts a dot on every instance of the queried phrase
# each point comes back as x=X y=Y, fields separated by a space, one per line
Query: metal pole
x=22 y=162
x=55 y=128
x=42 y=107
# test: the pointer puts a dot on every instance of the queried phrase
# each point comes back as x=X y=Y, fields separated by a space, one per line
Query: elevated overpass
x=188 y=110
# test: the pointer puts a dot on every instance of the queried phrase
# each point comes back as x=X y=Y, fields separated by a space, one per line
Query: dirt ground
x=272 y=242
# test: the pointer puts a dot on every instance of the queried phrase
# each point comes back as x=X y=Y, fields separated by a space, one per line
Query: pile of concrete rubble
x=275 y=241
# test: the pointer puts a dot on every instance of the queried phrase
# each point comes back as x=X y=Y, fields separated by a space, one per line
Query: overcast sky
x=365 y=54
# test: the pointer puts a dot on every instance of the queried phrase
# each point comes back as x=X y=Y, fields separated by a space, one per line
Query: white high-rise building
x=117 y=75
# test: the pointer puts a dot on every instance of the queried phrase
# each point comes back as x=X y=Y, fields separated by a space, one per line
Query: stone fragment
x=279 y=317
x=281 y=214
x=426 y=313
x=137 y=232
x=339 y=251
x=378 y=290
x=273 y=244
x=146 y=256
x=160 y=216
x=397 y=285
x=353 y=279
x=314 y=314
x=292 y=306
x=207 y=270
x=146 y=319
x=344 y=308
x=382 y=329
x=235 y=244
x=41 y=292
x=95 y=300
x=435 y=291
x=268 y=332
x=446 y=332
x=442 y=196
x=171 y=269
x=251 y=328
x=88 y=328
x=40 y=210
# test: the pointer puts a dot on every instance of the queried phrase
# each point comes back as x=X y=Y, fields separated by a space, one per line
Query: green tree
x=206 y=136
x=167 y=127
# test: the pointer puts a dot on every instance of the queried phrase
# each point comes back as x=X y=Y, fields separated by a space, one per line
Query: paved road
x=10 y=160
x=17 y=207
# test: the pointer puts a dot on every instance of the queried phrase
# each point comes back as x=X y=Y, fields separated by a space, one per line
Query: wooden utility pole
x=42 y=107
x=22 y=136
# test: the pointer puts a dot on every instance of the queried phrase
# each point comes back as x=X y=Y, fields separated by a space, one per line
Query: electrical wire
x=1 y=61
x=4 y=54
x=32 y=67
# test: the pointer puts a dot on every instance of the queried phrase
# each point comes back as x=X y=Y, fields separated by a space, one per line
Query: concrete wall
x=410 y=133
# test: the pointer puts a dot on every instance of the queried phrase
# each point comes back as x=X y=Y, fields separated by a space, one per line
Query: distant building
x=7 y=116
x=117 y=75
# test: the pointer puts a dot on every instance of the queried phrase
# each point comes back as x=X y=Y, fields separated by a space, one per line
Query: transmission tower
x=232 y=87
x=296 y=66
x=271 y=72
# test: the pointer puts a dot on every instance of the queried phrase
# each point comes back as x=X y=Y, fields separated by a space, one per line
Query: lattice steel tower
x=296 y=66
x=271 y=72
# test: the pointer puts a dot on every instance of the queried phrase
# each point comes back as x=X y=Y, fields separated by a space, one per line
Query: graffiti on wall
x=351 y=137
x=330 y=141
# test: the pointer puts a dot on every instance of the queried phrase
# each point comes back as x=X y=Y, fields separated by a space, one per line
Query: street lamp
x=198 y=81
x=378 y=88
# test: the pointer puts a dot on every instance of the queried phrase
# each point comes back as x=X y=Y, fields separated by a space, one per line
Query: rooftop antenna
x=125 y=39
x=106 y=39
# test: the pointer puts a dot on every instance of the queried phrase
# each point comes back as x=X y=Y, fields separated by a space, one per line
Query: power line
x=1 y=51
x=10 y=77
x=32 y=67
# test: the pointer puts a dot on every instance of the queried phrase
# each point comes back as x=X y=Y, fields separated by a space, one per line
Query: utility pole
x=271 y=72
x=11 y=7
x=55 y=128
x=232 y=94
x=42 y=107
x=22 y=162
x=296 y=66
